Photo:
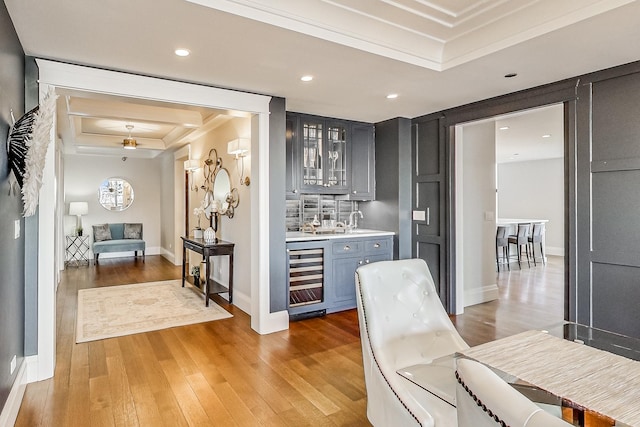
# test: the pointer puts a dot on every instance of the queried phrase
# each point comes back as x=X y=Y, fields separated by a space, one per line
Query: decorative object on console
x=209 y=235
x=240 y=147
x=195 y=272
x=78 y=209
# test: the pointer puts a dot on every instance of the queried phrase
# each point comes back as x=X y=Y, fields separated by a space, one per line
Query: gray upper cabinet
x=329 y=156
x=363 y=174
x=292 y=183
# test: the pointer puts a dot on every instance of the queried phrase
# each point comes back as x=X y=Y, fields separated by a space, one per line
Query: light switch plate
x=419 y=216
x=16 y=229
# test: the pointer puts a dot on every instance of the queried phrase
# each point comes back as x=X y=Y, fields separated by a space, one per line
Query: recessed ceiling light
x=510 y=75
x=182 y=52
x=392 y=96
x=516 y=154
x=546 y=135
x=306 y=78
x=504 y=128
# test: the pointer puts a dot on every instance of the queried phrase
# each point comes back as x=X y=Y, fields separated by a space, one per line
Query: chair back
x=502 y=236
x=484 y=400
x=536 y=234
x=402 y=323
x=523 y=233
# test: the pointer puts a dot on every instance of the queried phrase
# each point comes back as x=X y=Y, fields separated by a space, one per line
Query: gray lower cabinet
x=322 y=273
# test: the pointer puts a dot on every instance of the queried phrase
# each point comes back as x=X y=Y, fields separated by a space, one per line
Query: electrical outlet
x=170 y=246
x=16 y=229
x=13 y=364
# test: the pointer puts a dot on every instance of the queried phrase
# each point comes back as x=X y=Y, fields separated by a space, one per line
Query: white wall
x=238 y=228
x=82 y=177
x=167 y=202
x=478 y=212
x=535 y=189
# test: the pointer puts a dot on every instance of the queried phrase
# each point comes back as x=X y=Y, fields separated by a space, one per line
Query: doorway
x=509 y=166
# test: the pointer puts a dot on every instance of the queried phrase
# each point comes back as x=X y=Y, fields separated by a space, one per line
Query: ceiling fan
x=129 y=143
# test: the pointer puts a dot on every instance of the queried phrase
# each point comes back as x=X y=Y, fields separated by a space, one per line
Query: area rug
x=141 y=307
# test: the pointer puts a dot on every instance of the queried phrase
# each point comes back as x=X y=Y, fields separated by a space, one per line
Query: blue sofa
x=118 y=242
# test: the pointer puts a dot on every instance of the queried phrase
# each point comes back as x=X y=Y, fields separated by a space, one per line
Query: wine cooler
x=306 y=280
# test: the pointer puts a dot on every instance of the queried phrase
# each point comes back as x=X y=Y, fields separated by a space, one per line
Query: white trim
x=241 y=300
x=117 y=83
x=14 y=400
x=481 y=294
x=460 y=295
x=553 y=250
x=169 y=256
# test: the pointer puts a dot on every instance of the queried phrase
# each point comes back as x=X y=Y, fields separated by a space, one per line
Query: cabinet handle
x=377 y=245
x=347 y=248
x=295 y=191
x=354 y=191
x=366 y=261
x=360 y=262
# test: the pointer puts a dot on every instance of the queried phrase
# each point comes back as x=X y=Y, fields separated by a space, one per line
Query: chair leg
x=505 y=253
x=526 y=249
x=542 y=252
x=497 y=259
x=533 y=250
x=519 y=250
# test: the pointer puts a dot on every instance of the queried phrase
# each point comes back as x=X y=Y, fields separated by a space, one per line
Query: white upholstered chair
x=402 y=323
x=484 y=400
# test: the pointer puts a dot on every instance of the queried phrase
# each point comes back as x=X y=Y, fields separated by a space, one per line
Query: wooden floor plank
x=222 y=373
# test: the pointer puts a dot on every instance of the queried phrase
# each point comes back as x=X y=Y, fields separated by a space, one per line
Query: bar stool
x=521 y=239
x=502 y=241
x=536 y=237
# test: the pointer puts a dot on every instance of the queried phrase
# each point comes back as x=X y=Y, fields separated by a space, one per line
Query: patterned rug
x=141 y=307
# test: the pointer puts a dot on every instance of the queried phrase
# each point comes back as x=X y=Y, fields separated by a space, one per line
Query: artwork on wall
x=27 y=149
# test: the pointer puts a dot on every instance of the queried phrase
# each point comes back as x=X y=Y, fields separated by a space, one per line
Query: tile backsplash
x=303 y=210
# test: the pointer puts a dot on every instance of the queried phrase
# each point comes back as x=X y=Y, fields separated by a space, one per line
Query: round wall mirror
x=221 y=186
x=115 y=194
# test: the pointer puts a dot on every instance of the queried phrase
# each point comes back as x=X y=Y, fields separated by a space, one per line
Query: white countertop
x=297 y=236
x=516 y=221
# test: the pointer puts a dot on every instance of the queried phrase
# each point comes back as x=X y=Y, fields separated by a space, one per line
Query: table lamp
x=78 y=209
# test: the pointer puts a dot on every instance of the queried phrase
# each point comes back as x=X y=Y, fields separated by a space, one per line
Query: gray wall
x=391 y=210
x=277 y=233
x=12 y=267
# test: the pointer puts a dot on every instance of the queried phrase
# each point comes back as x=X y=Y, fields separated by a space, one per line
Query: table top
x=516 y=221
x=582 y=366
x=203 y=243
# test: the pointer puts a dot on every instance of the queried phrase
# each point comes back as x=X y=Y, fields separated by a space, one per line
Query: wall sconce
x=240 y=148
x=191 y=165
x=78 y=209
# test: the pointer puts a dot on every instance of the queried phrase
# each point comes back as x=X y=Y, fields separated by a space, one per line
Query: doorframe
x=60 y=75
x=565 y=92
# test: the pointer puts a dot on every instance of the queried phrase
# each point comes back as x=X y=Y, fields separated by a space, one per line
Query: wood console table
x=207 y=250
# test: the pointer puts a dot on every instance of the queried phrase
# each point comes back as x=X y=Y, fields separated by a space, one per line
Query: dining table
x=590 y=375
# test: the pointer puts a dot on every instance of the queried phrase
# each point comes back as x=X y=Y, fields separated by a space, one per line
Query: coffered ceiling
x=434 y=54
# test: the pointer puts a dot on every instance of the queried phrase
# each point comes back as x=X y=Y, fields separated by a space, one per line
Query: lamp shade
x=239 y=147
x=78 y=208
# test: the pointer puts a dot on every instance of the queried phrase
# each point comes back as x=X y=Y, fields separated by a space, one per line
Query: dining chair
x=402 y=323
x=483 y=399
x=521 y=239
x=536 y=238
x=502 y=241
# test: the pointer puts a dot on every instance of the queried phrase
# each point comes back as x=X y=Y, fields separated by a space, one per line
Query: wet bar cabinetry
x=321 y=271
x=329 y=156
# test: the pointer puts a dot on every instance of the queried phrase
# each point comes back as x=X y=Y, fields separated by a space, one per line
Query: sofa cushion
x=101 y=232
x=133 y=231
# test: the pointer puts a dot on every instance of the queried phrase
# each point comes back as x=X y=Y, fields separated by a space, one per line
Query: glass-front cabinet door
x=323 y=156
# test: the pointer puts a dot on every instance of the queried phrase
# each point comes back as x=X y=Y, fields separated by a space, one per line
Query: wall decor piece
x=37 y=152
x=115 y=194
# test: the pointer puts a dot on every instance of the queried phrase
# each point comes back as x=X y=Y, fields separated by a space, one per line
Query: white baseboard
x=480 y=295
x=12 y=406
x=169 y=256
x=554 y=250
x=242 y=301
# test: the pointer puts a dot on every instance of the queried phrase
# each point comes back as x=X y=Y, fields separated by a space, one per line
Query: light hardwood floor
x=222 y=373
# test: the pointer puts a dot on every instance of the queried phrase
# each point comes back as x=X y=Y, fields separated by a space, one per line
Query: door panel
x=427 y=198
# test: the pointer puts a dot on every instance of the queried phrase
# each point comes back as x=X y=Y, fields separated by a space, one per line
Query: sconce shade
x=191 y=165
x=78 y=208
x=239 y=147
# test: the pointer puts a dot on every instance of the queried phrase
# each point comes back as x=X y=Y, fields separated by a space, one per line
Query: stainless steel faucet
x=353 y=221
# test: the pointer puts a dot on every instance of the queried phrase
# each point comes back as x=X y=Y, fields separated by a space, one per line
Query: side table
x=77 y=250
